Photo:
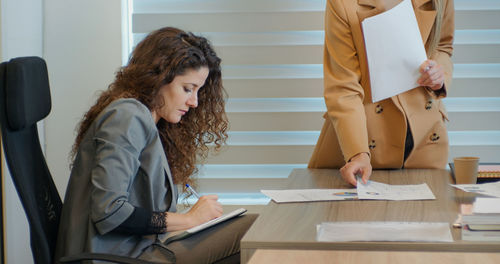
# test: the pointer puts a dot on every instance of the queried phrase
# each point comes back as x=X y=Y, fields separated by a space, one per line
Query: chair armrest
x=78 y=258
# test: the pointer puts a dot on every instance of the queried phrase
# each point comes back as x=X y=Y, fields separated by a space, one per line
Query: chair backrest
x=25 y=100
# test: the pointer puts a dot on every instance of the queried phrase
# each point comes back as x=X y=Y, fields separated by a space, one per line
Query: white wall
x=82 y=47
x=81 y=42
x=22 y=35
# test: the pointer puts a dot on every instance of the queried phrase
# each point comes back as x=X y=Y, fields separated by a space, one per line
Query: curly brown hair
x=156 y=61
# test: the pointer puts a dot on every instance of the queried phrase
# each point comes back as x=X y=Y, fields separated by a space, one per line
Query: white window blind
x=272 y=69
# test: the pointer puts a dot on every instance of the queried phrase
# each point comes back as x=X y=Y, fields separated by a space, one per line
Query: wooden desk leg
x=246 y=254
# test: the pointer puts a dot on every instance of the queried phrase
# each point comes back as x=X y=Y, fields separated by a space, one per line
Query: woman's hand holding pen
x=359 y=164
x=205 y=209
x=432 y=75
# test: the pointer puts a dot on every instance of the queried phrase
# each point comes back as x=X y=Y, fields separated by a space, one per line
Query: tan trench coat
x=353 y=124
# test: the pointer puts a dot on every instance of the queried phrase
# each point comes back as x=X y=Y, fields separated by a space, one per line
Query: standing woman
x=142 y=138
x=405 y=131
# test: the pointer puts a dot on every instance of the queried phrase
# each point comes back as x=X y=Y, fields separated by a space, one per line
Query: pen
x=192 y=191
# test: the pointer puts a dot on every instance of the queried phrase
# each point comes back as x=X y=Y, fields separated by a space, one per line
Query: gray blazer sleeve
x=122 y=131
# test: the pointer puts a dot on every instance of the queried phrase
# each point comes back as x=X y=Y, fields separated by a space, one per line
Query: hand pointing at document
x=359 y=164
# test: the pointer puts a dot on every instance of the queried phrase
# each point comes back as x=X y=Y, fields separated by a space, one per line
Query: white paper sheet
x=394 y=49
x=490 y=189
x=383 y=231
x=309 y=195
x=380 y=191
x=486 y=205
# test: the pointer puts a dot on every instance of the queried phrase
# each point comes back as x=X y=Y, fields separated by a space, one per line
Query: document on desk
x=310 y=195
x=393 y=59
x=380 y=191
x=384 y=231
x=490 y=189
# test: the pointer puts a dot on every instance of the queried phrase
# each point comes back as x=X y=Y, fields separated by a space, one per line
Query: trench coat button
x=379 y=109
x=372 y=144
x=434 y=137
x=428 y=105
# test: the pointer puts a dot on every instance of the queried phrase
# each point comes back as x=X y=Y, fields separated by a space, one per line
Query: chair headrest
x=27 y=92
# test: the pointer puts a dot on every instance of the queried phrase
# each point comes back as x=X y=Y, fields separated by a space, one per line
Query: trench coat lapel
x=425 y=18
x=374 y=7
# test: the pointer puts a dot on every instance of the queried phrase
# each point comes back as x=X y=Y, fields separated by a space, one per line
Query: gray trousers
x=218 y=244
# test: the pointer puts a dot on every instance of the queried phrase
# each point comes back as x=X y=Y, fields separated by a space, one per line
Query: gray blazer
x=120 y=165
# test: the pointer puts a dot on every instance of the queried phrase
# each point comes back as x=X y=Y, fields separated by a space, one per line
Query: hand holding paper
x=432 y=75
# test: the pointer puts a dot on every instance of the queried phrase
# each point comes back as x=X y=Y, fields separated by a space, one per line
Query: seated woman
x=140 y=139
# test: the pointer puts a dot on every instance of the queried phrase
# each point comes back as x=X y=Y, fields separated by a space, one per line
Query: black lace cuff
x=144 y=222
x=158 y=223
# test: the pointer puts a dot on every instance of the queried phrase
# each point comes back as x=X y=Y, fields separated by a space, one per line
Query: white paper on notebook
x=394 y=50
x=486 y=205
x=181 y=234
x=383 y=231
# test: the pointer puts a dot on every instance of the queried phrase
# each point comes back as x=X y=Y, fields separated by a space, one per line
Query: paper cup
x=466 y=170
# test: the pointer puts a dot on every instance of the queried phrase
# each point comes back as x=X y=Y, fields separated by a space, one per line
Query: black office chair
x=25 y=100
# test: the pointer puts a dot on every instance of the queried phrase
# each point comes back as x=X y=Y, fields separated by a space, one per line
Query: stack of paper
x=483 y=224
x=384 y=231
x=490 y=189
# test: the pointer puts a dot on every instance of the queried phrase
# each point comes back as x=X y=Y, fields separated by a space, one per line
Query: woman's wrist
x=176 y=221
x=361 y=155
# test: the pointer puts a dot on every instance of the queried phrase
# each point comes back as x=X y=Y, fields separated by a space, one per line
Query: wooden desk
x=293 y=225
x=272 y=256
